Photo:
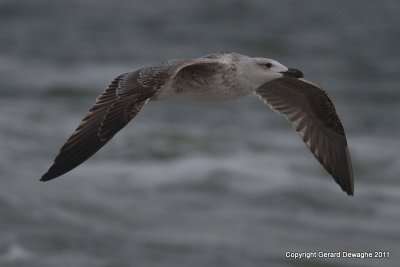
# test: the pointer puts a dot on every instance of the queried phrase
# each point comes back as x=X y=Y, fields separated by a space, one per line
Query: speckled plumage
x=215 y=77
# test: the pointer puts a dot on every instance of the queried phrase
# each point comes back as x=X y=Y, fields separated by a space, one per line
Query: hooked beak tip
x=293 y=73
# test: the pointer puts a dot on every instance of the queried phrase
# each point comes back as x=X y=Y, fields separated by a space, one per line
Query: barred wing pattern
x=313 y=115
x=113 y=109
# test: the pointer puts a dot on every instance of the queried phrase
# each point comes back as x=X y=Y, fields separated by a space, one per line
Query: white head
x=262 y=70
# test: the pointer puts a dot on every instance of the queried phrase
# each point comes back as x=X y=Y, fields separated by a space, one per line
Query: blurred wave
x=195 y=184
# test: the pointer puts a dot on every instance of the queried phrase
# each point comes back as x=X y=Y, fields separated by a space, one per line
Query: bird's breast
x=218 y=86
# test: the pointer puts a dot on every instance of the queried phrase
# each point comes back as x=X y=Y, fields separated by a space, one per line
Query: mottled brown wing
x=313 y=115
x=114 y=108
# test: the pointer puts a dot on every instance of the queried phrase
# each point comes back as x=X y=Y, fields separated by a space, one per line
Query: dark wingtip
x=349 y=191
x=47 y=177
x=348 y=187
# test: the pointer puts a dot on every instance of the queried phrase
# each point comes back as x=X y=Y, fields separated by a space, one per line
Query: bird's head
x=262 y=70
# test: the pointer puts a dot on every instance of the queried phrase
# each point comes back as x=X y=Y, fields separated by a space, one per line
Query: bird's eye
x=268 y=65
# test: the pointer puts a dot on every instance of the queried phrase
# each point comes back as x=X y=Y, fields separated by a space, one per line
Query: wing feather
x=313 y=115
x=113 y=109
x=111 y=112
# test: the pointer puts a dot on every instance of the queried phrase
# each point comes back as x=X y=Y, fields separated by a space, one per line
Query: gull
x=216 y=77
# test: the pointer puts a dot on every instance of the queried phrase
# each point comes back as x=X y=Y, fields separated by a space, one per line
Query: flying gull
x=220 y=76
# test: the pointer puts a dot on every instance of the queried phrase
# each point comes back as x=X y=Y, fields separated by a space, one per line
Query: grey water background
x=196 y=184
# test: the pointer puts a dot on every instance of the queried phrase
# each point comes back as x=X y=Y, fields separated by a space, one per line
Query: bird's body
x=216 y=77
x=210 y=85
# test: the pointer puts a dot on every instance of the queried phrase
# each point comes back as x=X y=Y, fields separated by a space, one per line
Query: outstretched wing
x=114 y=108
x=313 y=115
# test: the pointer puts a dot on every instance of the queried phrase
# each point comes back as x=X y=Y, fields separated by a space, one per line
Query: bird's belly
x=214 y=91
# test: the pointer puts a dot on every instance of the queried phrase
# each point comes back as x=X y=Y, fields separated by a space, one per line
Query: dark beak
x=293 y=73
